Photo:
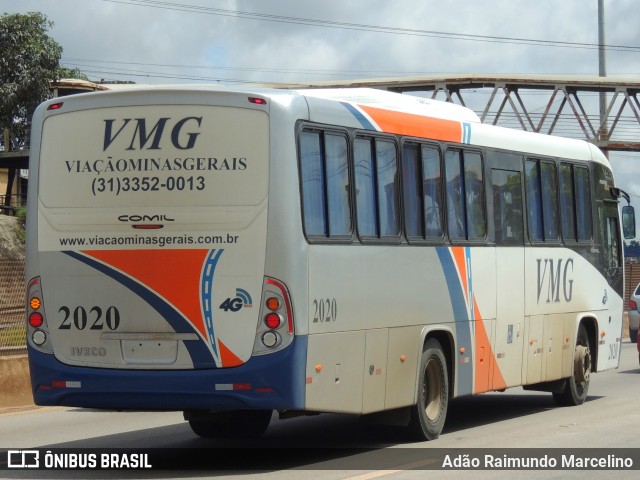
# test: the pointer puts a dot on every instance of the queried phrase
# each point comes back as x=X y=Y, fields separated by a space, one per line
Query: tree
x=75 y=73
x=29 y=60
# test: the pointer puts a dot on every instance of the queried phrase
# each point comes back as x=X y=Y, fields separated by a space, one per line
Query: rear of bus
x=147 y=231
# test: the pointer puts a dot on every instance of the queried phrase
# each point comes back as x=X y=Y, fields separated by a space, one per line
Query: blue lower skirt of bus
x=274 y=382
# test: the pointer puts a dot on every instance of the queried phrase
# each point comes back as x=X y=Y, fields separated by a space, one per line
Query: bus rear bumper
x=275 y=382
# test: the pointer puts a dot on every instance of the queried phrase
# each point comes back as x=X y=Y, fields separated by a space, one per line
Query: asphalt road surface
x=330 y=446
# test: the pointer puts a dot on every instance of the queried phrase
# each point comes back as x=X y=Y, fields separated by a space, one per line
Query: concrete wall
x=15 y=385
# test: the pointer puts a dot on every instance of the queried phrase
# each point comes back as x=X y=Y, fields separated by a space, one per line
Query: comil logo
x=242 y=299
x=145 y=218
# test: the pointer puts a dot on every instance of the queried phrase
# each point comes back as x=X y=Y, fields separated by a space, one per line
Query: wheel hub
x=433 y=401
x=582 y=364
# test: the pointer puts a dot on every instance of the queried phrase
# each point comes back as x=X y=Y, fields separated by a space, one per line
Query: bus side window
x=542 y=200
x=456 y=221
x=313 y=194
x=432 y=188
x=474 y=189
x=533 y=200
x=325 y=184
x=567 y=207
x=549 y=184
x=366 y=194
x=376 y=170
x=422 y=187
x=465 y=195
x=612 y=250
x=583 y=203
x=387 y=165
x=507 y=207
x=575 y=203
x=411 y=179
x=337 y=174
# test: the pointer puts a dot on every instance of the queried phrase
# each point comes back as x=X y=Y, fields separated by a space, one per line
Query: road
x=342 y=447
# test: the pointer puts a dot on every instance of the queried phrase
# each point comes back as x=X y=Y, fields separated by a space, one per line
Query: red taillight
x=633 y=305
x=37 y=332
x=55 y=106
x=287 y=301
x=36 y=319
x=272 y=320
x=275 y=329
x=258 y=101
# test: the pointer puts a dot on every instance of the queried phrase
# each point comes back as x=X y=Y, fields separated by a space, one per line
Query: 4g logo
x=242 y=299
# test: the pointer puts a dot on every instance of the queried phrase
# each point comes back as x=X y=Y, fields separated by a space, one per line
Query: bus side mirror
x=628 y=222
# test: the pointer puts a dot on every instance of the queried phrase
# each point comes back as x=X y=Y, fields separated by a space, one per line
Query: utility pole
x=603 y=131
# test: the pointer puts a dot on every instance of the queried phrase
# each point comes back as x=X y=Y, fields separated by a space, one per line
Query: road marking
x=398 y=469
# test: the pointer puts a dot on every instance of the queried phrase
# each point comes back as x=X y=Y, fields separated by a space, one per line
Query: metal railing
x=12 y=307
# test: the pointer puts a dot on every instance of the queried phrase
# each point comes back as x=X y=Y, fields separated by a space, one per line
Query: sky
x=239 y=41
x=154 y=41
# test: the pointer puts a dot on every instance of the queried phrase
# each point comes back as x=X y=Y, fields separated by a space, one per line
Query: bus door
x=506 y=191
x=612 y=296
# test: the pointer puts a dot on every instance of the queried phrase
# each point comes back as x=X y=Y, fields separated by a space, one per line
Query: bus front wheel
x=235 y=424
x=577 y=385
x=429 y=413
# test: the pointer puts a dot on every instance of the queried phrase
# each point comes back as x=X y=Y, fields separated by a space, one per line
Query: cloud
x=120 y=40
x=154 y=39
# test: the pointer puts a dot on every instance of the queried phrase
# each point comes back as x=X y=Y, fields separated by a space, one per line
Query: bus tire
x=236 y=424
x=429 y=413
x=577 y=385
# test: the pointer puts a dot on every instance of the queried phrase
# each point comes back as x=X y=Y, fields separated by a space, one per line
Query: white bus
x=238 y=253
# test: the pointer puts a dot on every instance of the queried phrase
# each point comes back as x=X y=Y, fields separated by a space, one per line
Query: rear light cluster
x=275 y=327
x=633 y=305
x=37 y=333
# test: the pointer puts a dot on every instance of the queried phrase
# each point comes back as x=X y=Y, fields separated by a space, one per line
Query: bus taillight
x=55 y=106
x=272 y=320
x=36 y=319
x=275 y=330
x=37 y=332
x=257 y=100
x=273 y=303
x=35 y=303
x=285 y=294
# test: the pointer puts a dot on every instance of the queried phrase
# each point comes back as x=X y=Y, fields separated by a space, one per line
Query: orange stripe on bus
x=415 y=125
x=173 y=274
x=461 y=262
x=487 y=373
x=228 y=358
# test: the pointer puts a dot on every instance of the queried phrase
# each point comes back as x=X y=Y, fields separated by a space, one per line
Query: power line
x=173 y=6
x=83 y=62
x=366 y=27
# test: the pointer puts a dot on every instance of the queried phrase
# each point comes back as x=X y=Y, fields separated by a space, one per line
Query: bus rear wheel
x=235 y=424
x=577 y=386
x=429 y=414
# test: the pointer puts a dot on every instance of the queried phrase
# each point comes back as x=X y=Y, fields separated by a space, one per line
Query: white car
x=634 y=314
